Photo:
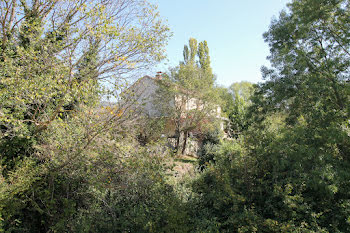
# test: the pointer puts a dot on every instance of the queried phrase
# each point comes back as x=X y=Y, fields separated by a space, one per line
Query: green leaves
x=53 y=56
x=310 y=54
x=190 y=91
x=291 y=169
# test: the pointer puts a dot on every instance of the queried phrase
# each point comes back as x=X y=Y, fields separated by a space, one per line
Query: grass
x=181 y=166
x=186 y=159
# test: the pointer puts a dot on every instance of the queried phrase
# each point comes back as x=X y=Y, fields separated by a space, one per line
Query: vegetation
x=67 y=164
x=61 y=156
x=235 y=106
x=288 y=171
x=190 y=86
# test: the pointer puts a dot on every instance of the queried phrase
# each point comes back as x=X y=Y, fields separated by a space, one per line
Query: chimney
x=159 y=75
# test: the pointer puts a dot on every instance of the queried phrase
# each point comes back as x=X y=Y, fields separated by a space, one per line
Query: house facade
x=144 y=94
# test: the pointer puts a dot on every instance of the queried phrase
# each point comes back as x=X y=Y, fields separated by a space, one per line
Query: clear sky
x=232 y=28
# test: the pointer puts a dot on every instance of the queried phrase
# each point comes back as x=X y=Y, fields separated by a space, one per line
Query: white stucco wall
x=143 y=94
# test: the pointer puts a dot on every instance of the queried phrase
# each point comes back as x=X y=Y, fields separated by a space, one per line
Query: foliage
x=211 y=142
x=289 y=170
x=190 y=90
x=136 y=199
x=238 y=112
x=274 y=180
x=69 y=165
x=235 y=102
x=150 y=130
x=54 y=58
x=242 y=89
x=309 y=55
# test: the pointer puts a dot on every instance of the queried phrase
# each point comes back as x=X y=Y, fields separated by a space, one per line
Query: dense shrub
x=209 y=146
x=139 y=201
x=290 y=181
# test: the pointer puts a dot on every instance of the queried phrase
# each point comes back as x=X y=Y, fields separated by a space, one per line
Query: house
x=144 y=95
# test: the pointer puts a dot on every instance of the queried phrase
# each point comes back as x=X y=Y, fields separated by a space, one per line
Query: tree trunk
x=184 y=144
x=177 y=143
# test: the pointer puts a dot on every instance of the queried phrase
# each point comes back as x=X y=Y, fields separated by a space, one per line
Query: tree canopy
x=54 y=56
x=288 y=171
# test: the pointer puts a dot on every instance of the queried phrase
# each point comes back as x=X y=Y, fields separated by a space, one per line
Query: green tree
x=53 y=55
x=293 y=177
x=238 y=111
x=314 y=53
x=310 y=59
x=235 y=102
x=204 y=64
x=242 y=89
x=190 y=87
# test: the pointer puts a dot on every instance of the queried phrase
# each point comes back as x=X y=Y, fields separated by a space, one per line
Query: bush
x=285 y=180
x=209 y=147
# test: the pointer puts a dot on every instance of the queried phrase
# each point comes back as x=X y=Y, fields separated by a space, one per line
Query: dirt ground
x=183 y=165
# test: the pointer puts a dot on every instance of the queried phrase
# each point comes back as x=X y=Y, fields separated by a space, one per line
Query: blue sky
x=232 y=28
